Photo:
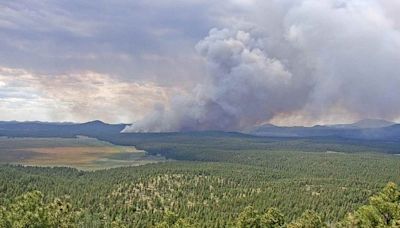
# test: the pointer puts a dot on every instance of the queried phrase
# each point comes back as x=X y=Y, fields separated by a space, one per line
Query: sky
x=176 y=65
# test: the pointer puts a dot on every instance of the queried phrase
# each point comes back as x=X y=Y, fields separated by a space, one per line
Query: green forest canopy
x=30 y=210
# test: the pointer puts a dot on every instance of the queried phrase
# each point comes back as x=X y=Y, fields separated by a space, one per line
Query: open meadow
x=81 y=152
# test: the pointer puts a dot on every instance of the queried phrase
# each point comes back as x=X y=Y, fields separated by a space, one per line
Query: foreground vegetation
x=29 y=210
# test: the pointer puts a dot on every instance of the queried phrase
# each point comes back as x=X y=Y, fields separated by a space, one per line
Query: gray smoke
x=308 y=56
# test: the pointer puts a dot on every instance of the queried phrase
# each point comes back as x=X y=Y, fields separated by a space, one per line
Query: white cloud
x=79 y=97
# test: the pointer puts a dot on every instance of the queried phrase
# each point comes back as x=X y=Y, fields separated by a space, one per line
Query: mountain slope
x=46 y=129
x=366 y=123
x=364 y=129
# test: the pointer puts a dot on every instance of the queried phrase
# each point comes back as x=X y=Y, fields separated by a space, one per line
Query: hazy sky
x=199 y=64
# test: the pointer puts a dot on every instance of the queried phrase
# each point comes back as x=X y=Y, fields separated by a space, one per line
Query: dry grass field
x=82 y=153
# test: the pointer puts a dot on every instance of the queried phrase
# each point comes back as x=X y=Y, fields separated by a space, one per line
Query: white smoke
x=308 y=56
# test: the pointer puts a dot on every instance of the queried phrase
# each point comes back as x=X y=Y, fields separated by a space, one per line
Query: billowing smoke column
x=245 y=87
x=307 y=56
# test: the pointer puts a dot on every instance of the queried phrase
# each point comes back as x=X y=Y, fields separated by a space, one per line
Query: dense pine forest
x=30 y=210
x=212 y=181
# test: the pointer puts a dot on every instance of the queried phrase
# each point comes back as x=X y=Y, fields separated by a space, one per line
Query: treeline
x=179 y=144
x=30 y=210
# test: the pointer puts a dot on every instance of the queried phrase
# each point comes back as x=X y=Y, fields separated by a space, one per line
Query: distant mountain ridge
x=366 y=123
x=57 y=129
x=363 y=129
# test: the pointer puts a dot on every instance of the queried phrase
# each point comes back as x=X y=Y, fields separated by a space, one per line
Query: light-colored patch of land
x=334 y=152
x=82 y=153
x=73 y=154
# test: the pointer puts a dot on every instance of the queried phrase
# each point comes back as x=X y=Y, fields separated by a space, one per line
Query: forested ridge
x=211 y=180
x=32 y=210
x=210 y=194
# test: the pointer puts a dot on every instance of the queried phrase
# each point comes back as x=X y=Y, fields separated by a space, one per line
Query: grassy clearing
x=82 y=153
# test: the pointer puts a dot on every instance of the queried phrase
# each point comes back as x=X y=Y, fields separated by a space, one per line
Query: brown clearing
x=72 y=155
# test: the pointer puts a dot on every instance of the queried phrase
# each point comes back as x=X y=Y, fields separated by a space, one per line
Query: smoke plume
x=307 y=56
